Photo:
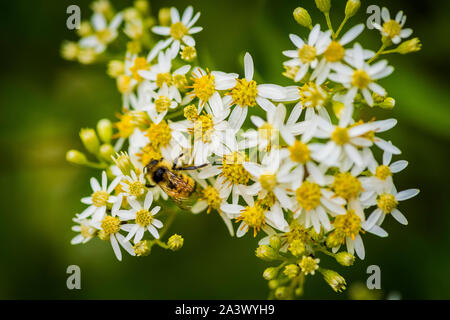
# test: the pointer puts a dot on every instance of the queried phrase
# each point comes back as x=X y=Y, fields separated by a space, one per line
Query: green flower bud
x=273 y=284
x=291 y=271
x=298 y=292
x=75 y=156
x=352 y=7
x=302 y=17
x=344 y=258
x=175 y=242
x=270 y=273
x=104 y=129
x=123 y=161
x=282 y=293
x=266 y=252
x=275 y=242
x=297 y=247
x=142 y=6
x=164 y=16
x=106 y=151
x=334 y=280
x=388 y=103
x=90 y=140
x=409 y=46
x=323 y=5
x=115 y=68
x=142 y=248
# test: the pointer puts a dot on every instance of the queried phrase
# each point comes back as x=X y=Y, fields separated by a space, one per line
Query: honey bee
x=177 y=185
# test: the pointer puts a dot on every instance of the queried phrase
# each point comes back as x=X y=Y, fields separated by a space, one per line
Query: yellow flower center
x=346 y=186
x=307 y=53
x=360 y=79
x=178 y=30
x=162 y=104
x=308 y=195
x=311 y=95
x=203 y=86
x=244 y=93
x=392 y=28
x=212 y=197
x=180 y=81
x=266 y=132
x=233 y=170
x=340 y=136
x=347 y=225
x=268 y=181
x=190 y=112
x=387 y=202
x=123 y=83
x=86 y=231
x=149 y=153
x=268 y=201
x=159 y=134
x=382 y=172
x=188 y=53
x=110 y=225
x=335 y=52
x=308 y=265
x=162 y=78
x=104 y=36
x=296 y=232
x=144 y=218
x=137 y=188
x=254 y=217
x=203 y=128
x=99 y=198
x=299 y=152
x=140 y=63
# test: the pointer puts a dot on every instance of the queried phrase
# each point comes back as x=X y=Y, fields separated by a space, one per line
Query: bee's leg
x=175 y=161
x=193 y=167
x=148 y=185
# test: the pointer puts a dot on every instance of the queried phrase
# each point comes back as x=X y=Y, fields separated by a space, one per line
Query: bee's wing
x=177 y=189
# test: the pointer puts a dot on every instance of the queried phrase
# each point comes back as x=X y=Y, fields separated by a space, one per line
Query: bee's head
x=152 y=165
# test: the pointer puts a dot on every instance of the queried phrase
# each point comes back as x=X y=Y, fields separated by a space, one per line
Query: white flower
x=387 y=203
x=143 y=217
x=247 y=93
x=392 y=29
x=133 y=186
x=306 y=54
x=100 y=198
x=362 y=77
x=180 y=29
x=104 y=33
x=163 y=100
x=85 y=229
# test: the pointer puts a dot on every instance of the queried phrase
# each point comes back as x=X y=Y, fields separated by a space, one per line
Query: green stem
x=340 y=27
x=168 y=223
x=383 y=46
x=175 y=114
x=327 y=17
x=94 y=165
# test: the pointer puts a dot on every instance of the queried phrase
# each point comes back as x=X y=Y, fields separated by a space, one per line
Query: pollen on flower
x=307 y=53
x=188 y=53
x=99 y=198
x=190 y=112
x=299 y=152
x=308 y=195
x=340 y=136
x=149 y=153
x=244 y=93
x=335 y=52
x=392 y=28
x=203 y=128
x=254 y=217
x=268 y=201
x=123 y=83
x=104 y=36
x=309 y=265
x=296 y=232
x=347 y=225
x=311 y=95
x=178 y=30
x=266 y=132
x=347 y=186
x=180 y=81
x=162 y=104
x=383 y=172
x=360 y=79
x=203 y=86
x=140 y=63
x=387 y=202
x=233 y=169
x=162 y=78
x=110 y=225
x=212 y=197
x=290 y=71
x=268 y=181
x=125 y=125
x=136 y=188
x=144 y=217
x=159 y=134
x=86 y=231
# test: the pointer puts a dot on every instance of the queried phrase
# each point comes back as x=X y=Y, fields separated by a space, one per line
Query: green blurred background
x=45 y=101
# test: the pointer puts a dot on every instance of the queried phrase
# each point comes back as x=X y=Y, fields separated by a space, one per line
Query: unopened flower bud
x=142 y=6
x=388 y=103
x=282 y=293
x=323 y=5
x=409 y=46
x=275 y=242
x=302 y=17
x=266 y=252
x=334 y=280
x=175 y=242
x=106 y=151
x=85 y=29
x=69 y=50
x=90 y=140
x=352 y=7
x=104 y=129
x=164 y=16
x=75 y=156
x=291 y=271
x=273 y=284
x=115 y=68
x=345 y=258
x=123 y=161
x=297 y=247
x=298 y=292
x=188 y=53
x=142 y=248
x=333 y=240
x=270 y=273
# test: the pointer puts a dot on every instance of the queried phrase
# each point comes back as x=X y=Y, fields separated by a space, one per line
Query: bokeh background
x=45 y=101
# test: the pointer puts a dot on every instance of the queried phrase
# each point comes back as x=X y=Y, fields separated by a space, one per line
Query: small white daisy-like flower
x=387 y=204
x=393 y=29
x=85 y=229
x=133 y=186
x=104 y=33
x=362 y=77
x=100 y=198
x=306 y=55
x=247 y=93
x=162 y=102
x=180 y=30
x=143 y=217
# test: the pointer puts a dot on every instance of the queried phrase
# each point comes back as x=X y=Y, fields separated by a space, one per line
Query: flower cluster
x=304 y=177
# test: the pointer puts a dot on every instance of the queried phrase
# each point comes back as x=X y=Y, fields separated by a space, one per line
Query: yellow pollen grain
x=159 y=134
x=212 y=197
x=299 y=152
x=360 y=79
x=137 y=188
x=308 y=195
x=233 y=169
x=387 y=202
x=347 y=225
x=307 y=53
x=311 y=96
x=392 y=28
x=162 y=78
x=383 y=172
x=144 y=218
x=347 y=186
x=203 y=86
x=99 y=198
x=110 y=225
x=244 y=93
x=254 y=217
x=162 y=104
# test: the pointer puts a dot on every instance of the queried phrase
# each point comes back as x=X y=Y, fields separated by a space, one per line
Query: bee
x=177 y=185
